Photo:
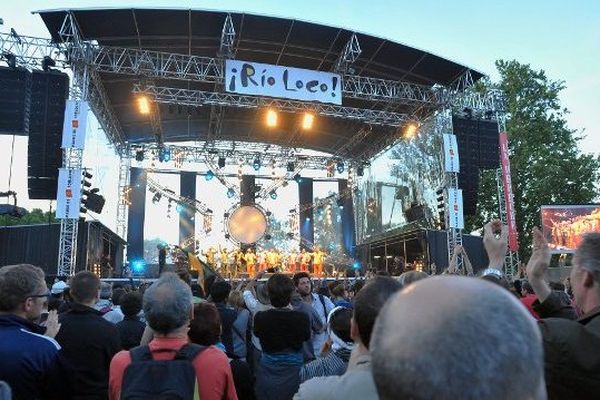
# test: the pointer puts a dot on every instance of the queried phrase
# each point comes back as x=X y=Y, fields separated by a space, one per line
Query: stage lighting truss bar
x=198 y=98
x=194 y=204
x=155 y=64
x=490 y=101
x=234 y=151
x=227 y=47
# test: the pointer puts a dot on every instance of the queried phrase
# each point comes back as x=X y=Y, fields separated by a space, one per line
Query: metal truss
x=194 y=204
x=234 y=151
x=348 y=56
x=155 y=64
x=346 y=148
x=227 y=48
x=491 y=102
x=198 y=98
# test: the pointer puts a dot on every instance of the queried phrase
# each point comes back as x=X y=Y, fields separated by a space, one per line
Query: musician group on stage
x=237 y=262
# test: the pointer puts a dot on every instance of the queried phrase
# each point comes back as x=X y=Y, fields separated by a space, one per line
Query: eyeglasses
x=47 y=294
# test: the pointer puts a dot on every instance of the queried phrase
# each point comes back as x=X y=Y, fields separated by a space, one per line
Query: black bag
x=174 y=379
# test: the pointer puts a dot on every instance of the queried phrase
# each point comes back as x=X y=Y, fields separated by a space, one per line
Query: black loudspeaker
x=49 y=92
x=478 y=149
x=15 y=93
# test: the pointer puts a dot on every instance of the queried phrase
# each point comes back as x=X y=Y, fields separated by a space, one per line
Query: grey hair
x=588 y=254
x=167 y=304
x=469 y=345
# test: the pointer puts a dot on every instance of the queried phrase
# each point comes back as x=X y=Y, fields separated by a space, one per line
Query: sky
x=562 y=38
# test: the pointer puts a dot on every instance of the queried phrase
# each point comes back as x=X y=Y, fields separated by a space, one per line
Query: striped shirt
x=335 y=363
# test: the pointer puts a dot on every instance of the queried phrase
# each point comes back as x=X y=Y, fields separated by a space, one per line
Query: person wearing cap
x=338 y=347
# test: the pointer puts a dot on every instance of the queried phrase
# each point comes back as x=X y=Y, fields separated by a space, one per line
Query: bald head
x=453 y=337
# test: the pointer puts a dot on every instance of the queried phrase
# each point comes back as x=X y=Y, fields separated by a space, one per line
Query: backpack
x=174 y=379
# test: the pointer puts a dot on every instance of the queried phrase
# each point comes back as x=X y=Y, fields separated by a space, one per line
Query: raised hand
x=495 y=241
x=52 y=324
x=538 y=264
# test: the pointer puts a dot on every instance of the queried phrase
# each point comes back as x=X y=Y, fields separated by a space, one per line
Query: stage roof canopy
x=271 y=40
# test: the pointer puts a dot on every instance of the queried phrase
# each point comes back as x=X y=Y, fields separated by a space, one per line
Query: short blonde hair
x=236 y=299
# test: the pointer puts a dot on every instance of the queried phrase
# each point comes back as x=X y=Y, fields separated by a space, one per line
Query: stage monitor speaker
x=477 y=142
x=49 y=92
x=15 y=93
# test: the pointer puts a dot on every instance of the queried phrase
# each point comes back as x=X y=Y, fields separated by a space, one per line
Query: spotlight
x=48 y=62
x=164 y=155
x=143 y=105
x=256 y=164
x=271 y=118
x=156 y=198
x=273 y=194
x=139 y=155
x=138 y=266
x=410 y=131
x=307 y=121
x=209 y=175
x=340 y=167
x=360 y=170
x=468 y=113
x=179 y=208
x=221 y=162
x=298 y=178
x=291 y=167
x=267 y=237
x=230 y=193
x=227 y=236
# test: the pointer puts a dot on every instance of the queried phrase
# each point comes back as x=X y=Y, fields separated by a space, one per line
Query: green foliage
x=35 y=217
x=546 y=164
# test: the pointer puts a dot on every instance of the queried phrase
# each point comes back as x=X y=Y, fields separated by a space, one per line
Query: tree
x=35 y=217
x=546 y=164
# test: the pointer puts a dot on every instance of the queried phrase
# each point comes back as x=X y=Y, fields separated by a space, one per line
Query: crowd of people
x=414 y=337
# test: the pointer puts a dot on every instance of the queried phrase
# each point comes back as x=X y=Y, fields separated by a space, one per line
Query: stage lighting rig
x=139 y=155
x=256 y=164
x=221 y=162
x=230 y=193
x=291 y=167
x=143 y=104
x=273 y=194
x=156 y=198
x=271 y=118
x=209 y=175
x=307 y=121
x=341 y=167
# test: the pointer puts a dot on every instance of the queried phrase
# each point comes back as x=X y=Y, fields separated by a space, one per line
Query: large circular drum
x=247 y=224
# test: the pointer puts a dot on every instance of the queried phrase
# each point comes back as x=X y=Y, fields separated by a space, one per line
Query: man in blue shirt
x=29 y=358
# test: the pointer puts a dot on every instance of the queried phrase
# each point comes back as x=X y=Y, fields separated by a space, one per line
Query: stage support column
x=248 y=190
x=137 y=211
x=348 y=227
x=187 y=226
x=306 y=222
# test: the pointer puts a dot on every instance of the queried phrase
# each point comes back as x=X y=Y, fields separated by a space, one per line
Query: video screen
x=564 y=226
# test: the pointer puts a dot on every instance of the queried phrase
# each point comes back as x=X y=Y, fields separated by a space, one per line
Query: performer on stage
x=231 y=263
x=240 y=261
x=299 y=257
x=291 y=261
x=272 y=259
x=306 y=257
x=210 y=256
x=318 y=258
x=223 y=261
x=250 y=258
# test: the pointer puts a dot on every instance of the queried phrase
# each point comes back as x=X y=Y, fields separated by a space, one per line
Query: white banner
x=68 y=194
x=455 y=209
x=451 y=160
x=247 y=77
x=75 y=124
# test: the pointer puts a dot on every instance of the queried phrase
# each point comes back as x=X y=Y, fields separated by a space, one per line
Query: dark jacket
x=228 y=316
x=28 y=360
x=131 y=330
x=571 y=349
x=88 y=344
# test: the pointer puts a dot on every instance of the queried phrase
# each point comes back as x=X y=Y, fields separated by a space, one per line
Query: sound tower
x=49 y=91
x=15 y=93
x=478 y=150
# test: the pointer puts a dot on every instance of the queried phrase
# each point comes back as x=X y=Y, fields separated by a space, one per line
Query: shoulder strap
x=140 y=353
x=322 y=298
x=189 y=352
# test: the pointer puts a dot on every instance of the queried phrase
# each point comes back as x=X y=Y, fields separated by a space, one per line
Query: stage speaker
x=15 y=93
x=49 y=92
x=478 y=149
